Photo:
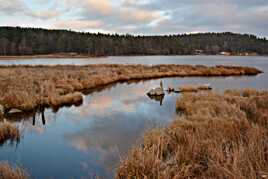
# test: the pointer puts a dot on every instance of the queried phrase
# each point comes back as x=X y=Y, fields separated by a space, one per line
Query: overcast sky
x=139 y=16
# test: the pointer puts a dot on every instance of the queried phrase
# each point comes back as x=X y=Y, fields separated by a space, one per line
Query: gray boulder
x=156 y=92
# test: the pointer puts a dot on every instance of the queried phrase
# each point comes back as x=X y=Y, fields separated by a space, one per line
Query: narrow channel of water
x=148 y=60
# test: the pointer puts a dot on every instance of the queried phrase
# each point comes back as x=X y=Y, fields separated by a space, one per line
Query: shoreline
x=57 y=56
x=62 y=56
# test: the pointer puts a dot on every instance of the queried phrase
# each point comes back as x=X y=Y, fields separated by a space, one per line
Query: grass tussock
x=194 y=88
x=75 y=98
x=27 y=87
x=8 y=132
x=217 y=136
x=8 y=172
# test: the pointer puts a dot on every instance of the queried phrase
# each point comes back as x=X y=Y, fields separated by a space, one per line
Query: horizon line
x=135 y=35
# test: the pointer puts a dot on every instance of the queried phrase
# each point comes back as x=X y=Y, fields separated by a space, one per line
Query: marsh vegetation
x=115 y=112
x=216 y=136
x=8 y=132
x=9 y=172
x=28 y=87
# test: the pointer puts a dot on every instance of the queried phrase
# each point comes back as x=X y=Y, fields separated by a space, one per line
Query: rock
x=14 y=111
x=156 y=92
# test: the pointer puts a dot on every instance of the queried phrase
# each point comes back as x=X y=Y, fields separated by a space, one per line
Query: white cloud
x=141 y=16
x=138 y=15
x=43 y=14
x=102 y=6
x=11 y=7
x=78 y=24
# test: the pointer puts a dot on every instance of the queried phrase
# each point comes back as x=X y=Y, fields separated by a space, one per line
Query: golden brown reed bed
x=193 y=88
x=7 y=172
x=217 y=136
x=27 y=87
x=8 y=132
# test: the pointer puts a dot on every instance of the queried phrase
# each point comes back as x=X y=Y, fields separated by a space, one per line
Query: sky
x=139 y=17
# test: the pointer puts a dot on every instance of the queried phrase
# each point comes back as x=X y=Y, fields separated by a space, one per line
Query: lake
x=148 y=60
x=89 y=140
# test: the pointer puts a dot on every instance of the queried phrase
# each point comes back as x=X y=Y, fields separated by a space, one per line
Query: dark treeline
x=33 y=41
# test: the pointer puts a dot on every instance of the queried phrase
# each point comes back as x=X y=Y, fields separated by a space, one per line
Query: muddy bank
x=215 y=136
x=28 y=87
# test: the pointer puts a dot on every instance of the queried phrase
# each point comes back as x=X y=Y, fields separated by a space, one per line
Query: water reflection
x=34 y=115
x=109 y=140
x=158 y=98
x=90 y=139
x=42 y=114
x=149 y=60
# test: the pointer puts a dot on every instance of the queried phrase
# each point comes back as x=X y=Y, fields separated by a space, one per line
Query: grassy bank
x=8 y=172
x=215 y=136
x=27 y=87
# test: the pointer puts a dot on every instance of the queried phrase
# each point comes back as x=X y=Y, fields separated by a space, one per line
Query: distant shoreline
x=61 y=56
x=35 y=41
x=48 y=56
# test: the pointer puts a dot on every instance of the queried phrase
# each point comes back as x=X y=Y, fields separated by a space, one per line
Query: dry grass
x=7 y=172
x=66 y=100
x=188 y=88
x=193 y=88
x=8 y=132
x=27 y=87
x=217 y=136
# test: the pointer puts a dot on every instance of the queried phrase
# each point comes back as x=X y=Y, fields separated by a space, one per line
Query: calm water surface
x=89 y=140
x=149 y=60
